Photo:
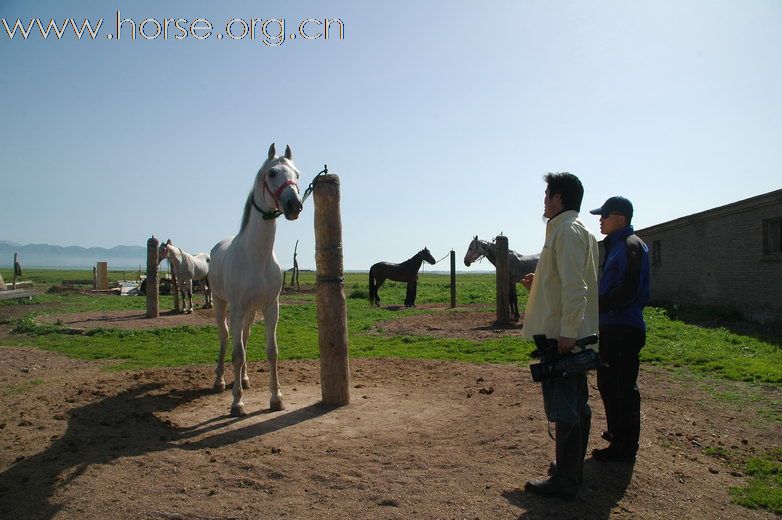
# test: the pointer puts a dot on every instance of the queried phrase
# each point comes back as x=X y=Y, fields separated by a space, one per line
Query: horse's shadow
x=604 y=486
x=124 y=425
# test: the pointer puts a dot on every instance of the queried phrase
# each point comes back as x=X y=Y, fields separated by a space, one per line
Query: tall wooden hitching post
x=503 y=287
x=330 y=294
x=153 y=283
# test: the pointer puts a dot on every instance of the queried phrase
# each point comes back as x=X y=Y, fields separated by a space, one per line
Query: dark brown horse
x=407 y=271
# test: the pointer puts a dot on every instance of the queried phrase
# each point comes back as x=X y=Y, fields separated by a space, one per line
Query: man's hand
x=565 y=345
x=527 y=280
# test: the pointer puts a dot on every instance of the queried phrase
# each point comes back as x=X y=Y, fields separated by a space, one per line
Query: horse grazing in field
x=187 y=269
x=246 y=277
x=407 y=271
x=518 y=266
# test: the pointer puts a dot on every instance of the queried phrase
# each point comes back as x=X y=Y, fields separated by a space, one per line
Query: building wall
x=717 y=258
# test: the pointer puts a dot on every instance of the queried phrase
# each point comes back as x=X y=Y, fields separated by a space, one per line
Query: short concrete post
x=102 y=280
x=330 y=294
x=153 y=282
x=503 y=287
x=453 y=279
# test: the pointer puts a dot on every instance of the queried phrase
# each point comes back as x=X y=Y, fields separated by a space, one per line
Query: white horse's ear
x=288 y=153
x=272 y=152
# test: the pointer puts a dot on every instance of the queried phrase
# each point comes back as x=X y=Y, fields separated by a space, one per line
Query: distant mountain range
x=45 y=255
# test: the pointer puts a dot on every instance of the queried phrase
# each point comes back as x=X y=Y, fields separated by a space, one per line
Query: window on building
x=656 y=253
x=772 y=237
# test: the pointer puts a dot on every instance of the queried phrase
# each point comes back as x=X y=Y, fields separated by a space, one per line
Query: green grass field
x=716 y=350
x=675 y=339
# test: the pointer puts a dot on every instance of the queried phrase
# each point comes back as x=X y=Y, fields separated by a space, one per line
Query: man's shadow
x=124 y=425
x=604 y=486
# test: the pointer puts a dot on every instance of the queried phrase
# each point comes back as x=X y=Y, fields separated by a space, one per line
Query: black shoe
x=607 y=436
x=613 y=454
x=556 y=486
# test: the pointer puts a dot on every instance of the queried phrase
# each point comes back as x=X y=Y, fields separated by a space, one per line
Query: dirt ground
x=420 y=439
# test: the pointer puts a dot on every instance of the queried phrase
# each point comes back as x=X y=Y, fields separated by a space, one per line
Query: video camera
x=553 y=364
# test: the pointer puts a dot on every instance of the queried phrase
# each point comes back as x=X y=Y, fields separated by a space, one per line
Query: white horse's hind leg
x=270 y=315
x=248 y=322
x=239 y=355
x=222 y=331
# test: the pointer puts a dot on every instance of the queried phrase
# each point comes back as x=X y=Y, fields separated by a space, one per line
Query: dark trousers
x=617 y=383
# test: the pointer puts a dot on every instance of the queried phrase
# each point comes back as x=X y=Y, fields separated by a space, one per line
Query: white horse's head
x=162 y=252
x=475 y=251
x=277 y=184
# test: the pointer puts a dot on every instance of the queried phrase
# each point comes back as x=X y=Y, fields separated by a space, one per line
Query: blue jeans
x=565 y=399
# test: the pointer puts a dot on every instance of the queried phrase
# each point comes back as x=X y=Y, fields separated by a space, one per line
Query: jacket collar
x=560 y=219
x=619 y=234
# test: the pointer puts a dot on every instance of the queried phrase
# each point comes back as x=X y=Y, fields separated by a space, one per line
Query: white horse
x=245 y=276
x=187 y=268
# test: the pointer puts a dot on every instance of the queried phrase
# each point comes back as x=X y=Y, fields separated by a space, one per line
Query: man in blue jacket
x=623 y=293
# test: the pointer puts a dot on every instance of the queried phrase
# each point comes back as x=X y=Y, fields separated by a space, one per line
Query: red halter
x=276 y=195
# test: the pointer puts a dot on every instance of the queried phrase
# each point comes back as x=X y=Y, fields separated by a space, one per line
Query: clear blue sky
x=440 y=117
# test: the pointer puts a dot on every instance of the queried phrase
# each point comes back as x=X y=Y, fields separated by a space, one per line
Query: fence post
x=453 y=279
x=13 y=284
x=153 y=284
x=330 y=294
x=503 y=295
x=102 y=270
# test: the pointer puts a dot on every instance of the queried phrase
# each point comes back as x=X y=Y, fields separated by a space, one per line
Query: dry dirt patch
x=420 y=440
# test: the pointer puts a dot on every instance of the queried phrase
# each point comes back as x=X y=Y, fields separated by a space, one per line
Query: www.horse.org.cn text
x=271 y=32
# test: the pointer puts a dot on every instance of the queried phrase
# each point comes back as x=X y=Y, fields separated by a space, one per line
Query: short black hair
x=568 y=186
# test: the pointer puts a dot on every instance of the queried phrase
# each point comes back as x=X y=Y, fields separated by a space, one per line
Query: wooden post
x=13 y=284
x=102 y=269
x=295 y=272
x=330 y=294
x=503 y=295
x=153 y=283
x=453 y=279
x=94 y=277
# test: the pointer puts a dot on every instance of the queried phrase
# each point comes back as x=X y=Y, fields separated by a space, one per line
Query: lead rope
x=273 y=214
x=309 y=189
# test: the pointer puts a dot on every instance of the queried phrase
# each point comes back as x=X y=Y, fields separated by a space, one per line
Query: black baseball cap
x=615 y=205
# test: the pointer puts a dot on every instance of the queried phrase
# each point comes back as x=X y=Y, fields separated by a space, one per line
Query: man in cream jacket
x=563 y=304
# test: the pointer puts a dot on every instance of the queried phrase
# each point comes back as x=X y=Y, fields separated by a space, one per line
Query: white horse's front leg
x=248 y=322
x=222 y=331
x=183 y=293
x=270 y=316
x=207 y=297
x=189 y=288
x=239 y=358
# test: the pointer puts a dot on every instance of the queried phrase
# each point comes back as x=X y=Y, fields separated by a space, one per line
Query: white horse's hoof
x=245 y=384
x=276 y=406
x=238 y=410
x=219 y=387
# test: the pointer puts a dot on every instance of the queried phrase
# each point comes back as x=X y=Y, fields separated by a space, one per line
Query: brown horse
x=407 y=271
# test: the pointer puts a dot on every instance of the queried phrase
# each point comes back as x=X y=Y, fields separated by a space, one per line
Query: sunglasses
x=604 y=216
